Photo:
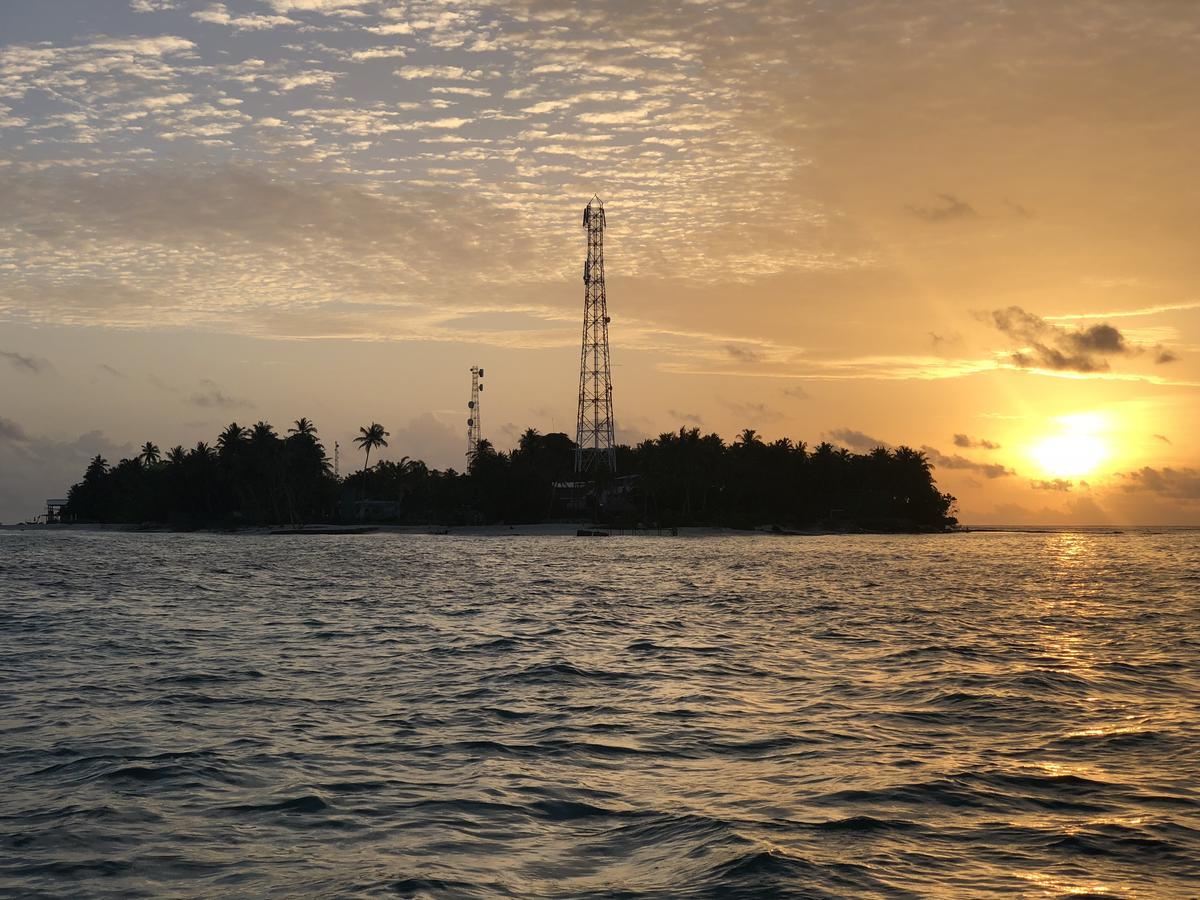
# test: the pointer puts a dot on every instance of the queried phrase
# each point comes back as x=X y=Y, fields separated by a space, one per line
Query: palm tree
x=371 y=436
x=233 y=435
x=176 y=455
x=748 y=437
x=97 y=468
x=305 y=427
x=150 y=453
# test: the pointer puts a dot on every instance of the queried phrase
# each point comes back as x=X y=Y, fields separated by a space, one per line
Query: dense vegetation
x=253 y=476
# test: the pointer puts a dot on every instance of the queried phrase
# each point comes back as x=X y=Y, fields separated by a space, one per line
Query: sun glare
x=1078 y=448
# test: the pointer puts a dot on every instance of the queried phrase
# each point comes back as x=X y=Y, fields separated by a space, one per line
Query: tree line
x=255 y=476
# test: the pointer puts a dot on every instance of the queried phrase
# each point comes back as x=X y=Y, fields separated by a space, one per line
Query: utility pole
x=594 y=442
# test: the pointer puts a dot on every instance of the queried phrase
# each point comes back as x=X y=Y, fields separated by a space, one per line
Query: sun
x=1077 y=449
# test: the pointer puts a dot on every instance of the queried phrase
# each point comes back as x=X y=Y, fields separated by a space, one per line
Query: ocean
x=963 y=715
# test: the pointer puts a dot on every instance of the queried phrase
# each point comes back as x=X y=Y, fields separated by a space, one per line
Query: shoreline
x=570 y=529
x=549 y=529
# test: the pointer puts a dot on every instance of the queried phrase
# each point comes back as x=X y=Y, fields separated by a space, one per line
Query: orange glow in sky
x=1077 y=449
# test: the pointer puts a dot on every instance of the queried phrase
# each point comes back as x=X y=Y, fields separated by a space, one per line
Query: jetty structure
x=594 y=432
x=474 y=429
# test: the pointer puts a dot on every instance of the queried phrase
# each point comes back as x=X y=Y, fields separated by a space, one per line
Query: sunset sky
x=969 y=227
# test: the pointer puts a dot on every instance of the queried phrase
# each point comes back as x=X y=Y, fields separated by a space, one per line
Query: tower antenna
x=473 y=427
x=594 y=444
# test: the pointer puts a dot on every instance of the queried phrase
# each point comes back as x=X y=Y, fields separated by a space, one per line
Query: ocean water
x=866 y=716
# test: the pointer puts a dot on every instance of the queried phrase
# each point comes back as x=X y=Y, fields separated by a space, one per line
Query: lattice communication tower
x=473 y=427
x=595 y=446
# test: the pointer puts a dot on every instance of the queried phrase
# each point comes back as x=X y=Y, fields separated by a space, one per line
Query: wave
x=737 y=717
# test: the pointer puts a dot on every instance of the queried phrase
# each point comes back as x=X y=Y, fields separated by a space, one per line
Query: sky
x=965 y=226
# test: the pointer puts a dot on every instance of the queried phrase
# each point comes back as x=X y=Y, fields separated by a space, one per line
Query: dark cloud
x=157 y=382
x=1048 y=346
x=955 y=461
x=1097 y=339
x=939 y=340
x=116 y=373
x=1053 y=484
x=1163 y=438
x=744 y=353
x=1176 y=484
x=37 y=467
x=962 y=440
x=855 y=440
x=20 y=361
x=1163 y=355
x=1017 y=209
x=212 y=396
x=680 y=416
x=753 y=413
x=795 y=392
x=11 y=431
x=952 y=208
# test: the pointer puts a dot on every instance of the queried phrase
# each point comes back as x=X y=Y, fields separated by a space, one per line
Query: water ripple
x=434 y=716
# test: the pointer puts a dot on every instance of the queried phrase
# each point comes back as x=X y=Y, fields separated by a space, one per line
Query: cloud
x=1062 y=348
x=795 y=391
x=952 y=208
x=855 y=440
x=212 y=396
x=1176 y=484
x=159 y=102
x=962 y=440
x=450 y=73
x=318 y=6
x=24 y=363
x=391 y=28
x=162 y=45
x=434 y=438
x=744 y=353
x=11 y=431
x=955 y=461
x=1163 y=438
x=752 y=413
x=218 y=14
x=325 y=259
x=1017 y=209
x=105 y=367
x=1128 y=313
x=378 y=53
x=693 y=418
x=35 y=467
x=1054 y=484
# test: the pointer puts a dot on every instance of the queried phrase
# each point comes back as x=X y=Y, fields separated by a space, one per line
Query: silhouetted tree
x=371 y=436
x=150 y=453
x=256 y=477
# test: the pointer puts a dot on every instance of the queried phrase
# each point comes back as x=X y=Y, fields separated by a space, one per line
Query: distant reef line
x=255 y=478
